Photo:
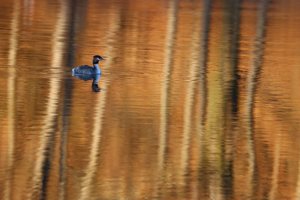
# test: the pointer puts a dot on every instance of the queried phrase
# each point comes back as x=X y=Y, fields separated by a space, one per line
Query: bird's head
x=97 y=59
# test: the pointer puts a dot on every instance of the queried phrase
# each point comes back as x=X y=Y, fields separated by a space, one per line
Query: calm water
x=200 y=100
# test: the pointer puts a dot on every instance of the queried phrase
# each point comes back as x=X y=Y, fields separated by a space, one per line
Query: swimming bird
x=86 y=72
x=86 y=69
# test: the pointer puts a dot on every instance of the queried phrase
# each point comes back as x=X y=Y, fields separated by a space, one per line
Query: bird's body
x=86 y=70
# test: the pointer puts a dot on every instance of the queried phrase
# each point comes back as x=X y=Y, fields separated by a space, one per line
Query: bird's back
x=84 y=69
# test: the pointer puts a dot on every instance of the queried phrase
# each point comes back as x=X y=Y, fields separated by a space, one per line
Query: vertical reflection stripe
x=190 y=94
x=255 y=68
x=98 y=117
x=11 y=93
x=53 y=98
x=170 y=39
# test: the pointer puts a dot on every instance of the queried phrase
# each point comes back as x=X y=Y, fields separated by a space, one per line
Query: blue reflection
x=94 y=77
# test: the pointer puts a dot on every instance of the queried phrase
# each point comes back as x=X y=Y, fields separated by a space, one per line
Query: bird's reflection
x=94 y=77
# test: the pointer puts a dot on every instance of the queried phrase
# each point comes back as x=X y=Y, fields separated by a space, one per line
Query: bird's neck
x=96 y=66
x=96 y=79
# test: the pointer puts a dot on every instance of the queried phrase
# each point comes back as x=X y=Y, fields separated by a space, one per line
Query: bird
x=86 y=69
x=90 y=71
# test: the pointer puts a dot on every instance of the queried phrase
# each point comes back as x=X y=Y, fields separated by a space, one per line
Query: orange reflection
x=200 y=100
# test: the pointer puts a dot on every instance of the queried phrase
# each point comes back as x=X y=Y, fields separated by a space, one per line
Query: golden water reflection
x=199 y=100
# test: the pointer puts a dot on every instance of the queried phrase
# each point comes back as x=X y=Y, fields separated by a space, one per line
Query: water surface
x=200 y=100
